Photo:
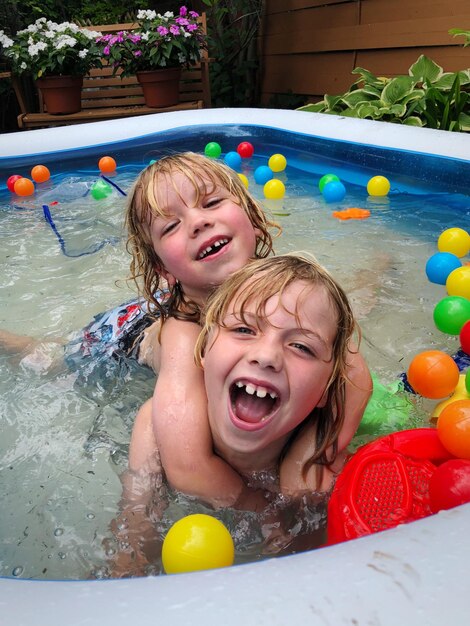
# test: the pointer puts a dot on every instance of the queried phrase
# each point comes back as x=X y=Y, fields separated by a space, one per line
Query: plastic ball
x=467 y=381
x=433 y=374
x=327 y=178
x=23 y=187
x=213 y=150
x=378 y=186
x=277 y=162
x=274 y=189
x=197 y=542
x=244 y=179
x=262 y=174
x=40 y=173
x=233 y=160
x=455 y=240
x=152 y=161
x=458 y=282
x=465 y=337
x=334 y=191
x=449 y=486
x=453 y=428
x=440 y=265
x=245 y=149
x=12 y=180
x=107 y=165
x=459 y=393
x=101 y=189
x=451 y=313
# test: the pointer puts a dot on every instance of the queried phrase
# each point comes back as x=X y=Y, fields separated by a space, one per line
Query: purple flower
x=183 y=11
x=182 y=21
x=162 y=30
x=106 y=51
x=194 y=14
x=191 y=28
x=138 y=53
x=174 y=30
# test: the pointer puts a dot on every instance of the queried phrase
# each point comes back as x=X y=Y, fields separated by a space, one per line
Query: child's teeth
x=273 y=395
x=261 y=393
x=250 y=389
x=239 y=384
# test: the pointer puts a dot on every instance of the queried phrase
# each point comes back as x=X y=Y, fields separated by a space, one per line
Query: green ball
x=467 y=381
x=213 y=150
x=101 y=189
x=451 y=313
x=327 y=178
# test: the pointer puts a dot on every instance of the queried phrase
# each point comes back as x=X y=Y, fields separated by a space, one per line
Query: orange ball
x=433 y=374
x=453 y=428
x=24 y=187
x=107 y=165
x=40 y=173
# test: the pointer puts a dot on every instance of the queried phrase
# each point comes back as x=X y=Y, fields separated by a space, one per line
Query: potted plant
x=156 y=51
x=57 y=56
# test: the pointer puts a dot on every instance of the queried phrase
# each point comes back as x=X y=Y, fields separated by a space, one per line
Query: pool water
x=65 y=440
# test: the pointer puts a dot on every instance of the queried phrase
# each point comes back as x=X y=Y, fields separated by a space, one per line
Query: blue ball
x=233 y=160
x=440 y=265
x=334 y=191
x=263 y=173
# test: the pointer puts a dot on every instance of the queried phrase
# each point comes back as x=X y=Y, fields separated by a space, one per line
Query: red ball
x=12 y=180
x=465 y=337
x=433 y=374
x=245 y=149
x=449 y=486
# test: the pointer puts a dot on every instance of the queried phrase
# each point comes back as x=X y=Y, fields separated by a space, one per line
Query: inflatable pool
x=416 y=573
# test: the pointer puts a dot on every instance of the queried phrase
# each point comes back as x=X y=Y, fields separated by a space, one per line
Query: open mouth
x=251 y=403
x=213 y=248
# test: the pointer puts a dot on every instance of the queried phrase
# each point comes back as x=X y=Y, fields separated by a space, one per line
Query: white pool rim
x=414 y=574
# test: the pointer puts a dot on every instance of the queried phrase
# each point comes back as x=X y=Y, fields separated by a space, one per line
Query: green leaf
x=331 y=102
x=425 y=69
x=369 y=78
x=413 y=121
x=368 y=110
x=464 y=121
x=397 y=89
x=353 y=98
x=317 y=107
x=447 y=79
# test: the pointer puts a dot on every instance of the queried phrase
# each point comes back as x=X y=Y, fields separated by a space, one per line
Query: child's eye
x=303 y=348
x=242 y=330
x=212 y=202
x=169 y=227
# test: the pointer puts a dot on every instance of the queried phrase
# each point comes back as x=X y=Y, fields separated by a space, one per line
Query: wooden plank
x=309 y=73
x=394 y=62
x=311 y=21
x=433 y=32
x=280 y=6
x=375 y=11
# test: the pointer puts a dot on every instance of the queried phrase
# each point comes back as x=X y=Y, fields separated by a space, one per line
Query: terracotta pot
x=61 y=94
x=161 y=87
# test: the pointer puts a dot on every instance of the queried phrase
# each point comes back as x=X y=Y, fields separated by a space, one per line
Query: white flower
x=4 y=40
x=169 y=14
x=23 y=65
x=145 y=36
x=65 y=40
x=82 y=54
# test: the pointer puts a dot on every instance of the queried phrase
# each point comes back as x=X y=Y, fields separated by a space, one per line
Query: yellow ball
x=454 y=240
x=458 y=282
x=274 y=189
x=378 y=186
x=244 y=179
x=197 y=542
x=277 y=162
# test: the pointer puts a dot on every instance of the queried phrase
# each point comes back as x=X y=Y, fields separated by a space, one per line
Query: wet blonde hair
x=259 y=281
x=142 y=207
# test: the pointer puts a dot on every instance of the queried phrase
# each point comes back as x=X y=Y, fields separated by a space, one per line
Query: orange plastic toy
x=107 y=165
x=24 y=187
x=353 y=213
x=453 y=428
x=40 y=173
x=433 y=374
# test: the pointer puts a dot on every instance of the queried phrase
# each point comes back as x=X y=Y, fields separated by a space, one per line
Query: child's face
x=202 y=241
x=264 y=379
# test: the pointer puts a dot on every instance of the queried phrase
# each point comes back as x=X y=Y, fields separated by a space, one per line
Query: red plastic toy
x=385 y=483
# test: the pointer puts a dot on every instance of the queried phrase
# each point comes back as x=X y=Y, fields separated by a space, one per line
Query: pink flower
x=191 y=28
x=106 y=51
x=162 y=30
x=138 y=53
x=183 y=11
x=194 y=14
x=174 y=30
x=182 y=21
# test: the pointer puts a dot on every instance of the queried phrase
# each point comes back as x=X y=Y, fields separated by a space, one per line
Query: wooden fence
x=310 y=47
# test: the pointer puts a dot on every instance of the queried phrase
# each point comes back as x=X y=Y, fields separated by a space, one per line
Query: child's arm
x=358 y=392
x=182 y=430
